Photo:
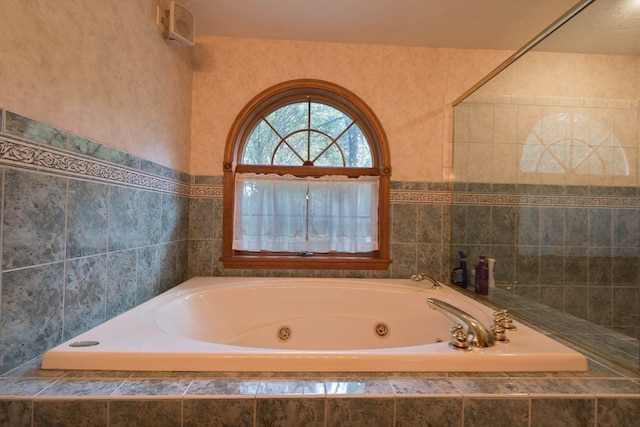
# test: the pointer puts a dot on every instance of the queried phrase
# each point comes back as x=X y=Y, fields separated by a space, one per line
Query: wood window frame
x=269 y=100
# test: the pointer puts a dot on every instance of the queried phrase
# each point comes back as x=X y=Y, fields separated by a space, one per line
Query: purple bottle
x=482 y=277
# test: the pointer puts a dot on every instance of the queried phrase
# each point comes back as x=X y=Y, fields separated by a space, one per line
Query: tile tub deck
x=604 y=395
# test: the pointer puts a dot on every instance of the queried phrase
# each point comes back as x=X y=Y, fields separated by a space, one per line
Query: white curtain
x=291 y=214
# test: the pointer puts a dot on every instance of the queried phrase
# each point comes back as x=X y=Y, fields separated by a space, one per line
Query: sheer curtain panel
x=284 y=213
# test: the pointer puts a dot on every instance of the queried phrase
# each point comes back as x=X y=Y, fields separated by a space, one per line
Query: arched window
x=306 y=181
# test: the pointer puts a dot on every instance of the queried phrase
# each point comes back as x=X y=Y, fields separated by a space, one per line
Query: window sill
x=317 y=261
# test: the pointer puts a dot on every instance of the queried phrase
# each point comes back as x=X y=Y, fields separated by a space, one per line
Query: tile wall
x=87 y=233
x=573 y=248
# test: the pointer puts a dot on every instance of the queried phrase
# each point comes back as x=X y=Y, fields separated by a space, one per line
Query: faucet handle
x=499 y=332
x=459 y=338
x=504 y=319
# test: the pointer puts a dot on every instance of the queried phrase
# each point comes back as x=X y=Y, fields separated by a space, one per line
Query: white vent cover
x=181 y=25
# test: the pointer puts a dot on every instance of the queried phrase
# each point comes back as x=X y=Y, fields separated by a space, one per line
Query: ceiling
x=464 y=24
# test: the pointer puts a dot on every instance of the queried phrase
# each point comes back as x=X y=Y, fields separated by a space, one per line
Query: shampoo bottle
x=482 y=278
x=460 y=274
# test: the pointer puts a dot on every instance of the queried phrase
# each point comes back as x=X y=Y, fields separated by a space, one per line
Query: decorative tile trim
x=434 y=197
x=497 y=199
x=17 y=152
x=206 y=191
x=544 y=200
x=24 y=154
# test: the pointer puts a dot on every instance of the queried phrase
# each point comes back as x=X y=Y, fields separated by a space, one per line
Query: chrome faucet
x=477 y=334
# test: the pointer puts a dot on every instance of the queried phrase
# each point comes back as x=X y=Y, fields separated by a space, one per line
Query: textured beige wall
x=70 y=65
x=410 y=89
x=99 y=69
x=568 y=75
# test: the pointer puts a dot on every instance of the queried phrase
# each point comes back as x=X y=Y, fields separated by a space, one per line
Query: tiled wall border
x=545 y=200
x=29 y=144
x=498 y=199
x=205 y=191
x=17 y=152
x=24 y=154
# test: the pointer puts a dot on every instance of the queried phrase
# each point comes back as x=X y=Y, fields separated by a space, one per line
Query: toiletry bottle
x=482 y=278
x=459 y=275
x=492 y=276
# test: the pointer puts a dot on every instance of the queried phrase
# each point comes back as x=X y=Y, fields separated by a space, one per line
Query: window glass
x=307 y=133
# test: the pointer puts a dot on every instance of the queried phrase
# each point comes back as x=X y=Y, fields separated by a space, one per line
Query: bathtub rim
x=200 y=358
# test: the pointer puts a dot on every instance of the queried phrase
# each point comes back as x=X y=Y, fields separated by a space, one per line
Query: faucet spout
x=422 y=276
x=477 y=334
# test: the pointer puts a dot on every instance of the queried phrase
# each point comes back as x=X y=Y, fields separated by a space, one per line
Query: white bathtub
x=302 y=324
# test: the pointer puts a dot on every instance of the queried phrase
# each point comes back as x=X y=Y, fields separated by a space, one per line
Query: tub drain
x=381 y=330
x=284 y=333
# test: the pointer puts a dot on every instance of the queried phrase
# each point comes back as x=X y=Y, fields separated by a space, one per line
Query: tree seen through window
x=310 y=134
